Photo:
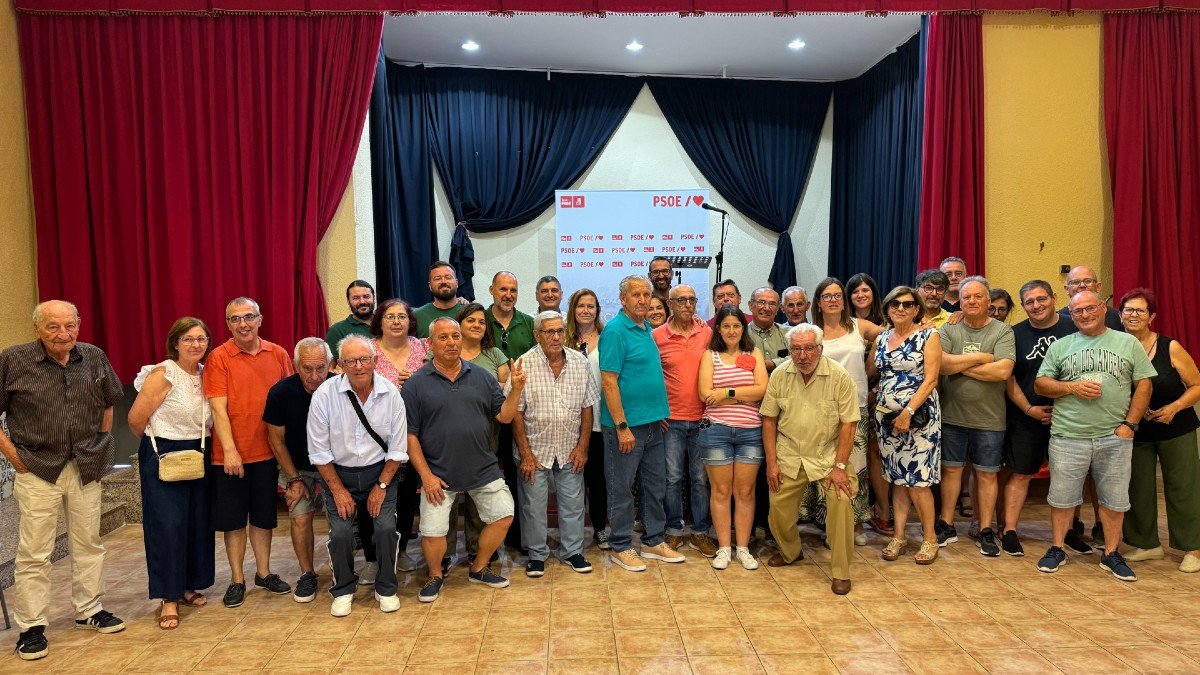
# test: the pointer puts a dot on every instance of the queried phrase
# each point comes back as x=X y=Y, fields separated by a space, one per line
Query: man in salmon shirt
x=243 y=474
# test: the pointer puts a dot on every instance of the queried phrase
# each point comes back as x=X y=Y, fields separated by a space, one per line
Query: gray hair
x=952 y=259
x=243 y=300
x=312 y=343
x=353 y=338
x=793 y=289
x=444 y=319
x=547 y=315
x=975 y=279
x=43 y=306
x=801 y=328
x=624 y=286
x=760 y=289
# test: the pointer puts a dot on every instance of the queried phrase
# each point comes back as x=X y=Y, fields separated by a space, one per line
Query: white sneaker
x=388 y=603
x=405 y=563
x=721 y=560
x=367 y=576
x=747 y=558
x=342 y=605
x=1141 y=554
x=860 y=539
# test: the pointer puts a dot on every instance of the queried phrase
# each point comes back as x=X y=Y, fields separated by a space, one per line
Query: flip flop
x=164 y=619
x=193 y=600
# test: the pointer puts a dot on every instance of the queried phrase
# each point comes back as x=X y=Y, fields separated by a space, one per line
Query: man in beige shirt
x=810 y=413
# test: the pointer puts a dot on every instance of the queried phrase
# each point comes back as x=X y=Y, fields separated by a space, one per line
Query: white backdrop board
x=606 y=235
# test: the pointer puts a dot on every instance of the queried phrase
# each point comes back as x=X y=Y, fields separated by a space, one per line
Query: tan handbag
x=181 y=464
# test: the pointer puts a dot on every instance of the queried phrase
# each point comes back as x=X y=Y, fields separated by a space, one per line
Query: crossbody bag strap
x=362 y=417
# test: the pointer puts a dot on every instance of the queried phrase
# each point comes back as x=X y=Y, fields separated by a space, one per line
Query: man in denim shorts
x=1091 y=375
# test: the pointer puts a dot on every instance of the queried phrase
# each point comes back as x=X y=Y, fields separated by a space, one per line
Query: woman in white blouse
x=171 y=414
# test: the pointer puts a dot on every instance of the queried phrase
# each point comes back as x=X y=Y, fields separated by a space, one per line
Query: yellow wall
x=17 y=255
x=1046 y=172
x=337 y=264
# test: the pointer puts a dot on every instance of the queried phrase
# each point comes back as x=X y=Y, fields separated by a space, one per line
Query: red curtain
x=180 y=161
x=952 y=158
x=1152 y=118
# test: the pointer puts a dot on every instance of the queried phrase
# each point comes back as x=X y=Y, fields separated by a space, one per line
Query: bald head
x=1082 y=278
x=683 y=304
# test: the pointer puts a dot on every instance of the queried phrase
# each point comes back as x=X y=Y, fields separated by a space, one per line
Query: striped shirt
x=738 y=415
x=54 y=411
x=552 y=407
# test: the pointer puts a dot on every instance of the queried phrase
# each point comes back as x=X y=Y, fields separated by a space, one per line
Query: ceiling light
x=794 y=44
x=634 y=46
x=470 y=45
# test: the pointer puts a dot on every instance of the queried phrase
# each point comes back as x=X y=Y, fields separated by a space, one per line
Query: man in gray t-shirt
x=979 y=354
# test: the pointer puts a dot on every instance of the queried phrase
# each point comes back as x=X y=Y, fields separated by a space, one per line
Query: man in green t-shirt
x=360 y=295
x=443 y=284
x=1100 y=380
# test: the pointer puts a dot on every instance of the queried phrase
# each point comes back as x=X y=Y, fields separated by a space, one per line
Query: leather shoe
x=840 y=586
x=776 y=560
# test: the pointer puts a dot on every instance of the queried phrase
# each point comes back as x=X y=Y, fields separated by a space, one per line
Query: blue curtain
x=755 y=142
x=875 y=207
x=401 y=183
x=504 y=141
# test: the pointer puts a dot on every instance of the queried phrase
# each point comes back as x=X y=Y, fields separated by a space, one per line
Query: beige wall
x=17 y=255
x=337 y=264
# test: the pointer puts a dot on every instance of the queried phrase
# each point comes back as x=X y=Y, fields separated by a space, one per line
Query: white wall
x=644 y=154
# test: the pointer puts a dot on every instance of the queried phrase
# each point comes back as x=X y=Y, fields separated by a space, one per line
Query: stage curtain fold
x=504 y=141
x=952 y=215
x=876 y=182
x=402 y=183
x=180 y=161
x=1152 y=120
x=755 y=142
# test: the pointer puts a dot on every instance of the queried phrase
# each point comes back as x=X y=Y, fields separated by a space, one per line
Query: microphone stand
x=721 y=250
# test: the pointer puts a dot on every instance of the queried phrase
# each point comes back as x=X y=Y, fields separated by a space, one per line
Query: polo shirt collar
x=355 y=319
x=628 y=321
x=232 y=349
x=697 y=325
x=466 y=367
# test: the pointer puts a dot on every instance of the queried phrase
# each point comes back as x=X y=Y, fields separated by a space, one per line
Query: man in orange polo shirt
x=681 y=343
x=243 y=474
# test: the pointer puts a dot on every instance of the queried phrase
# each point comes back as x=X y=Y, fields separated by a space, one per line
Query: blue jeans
x=533 y=498
x=682 y=441
x=646 y=464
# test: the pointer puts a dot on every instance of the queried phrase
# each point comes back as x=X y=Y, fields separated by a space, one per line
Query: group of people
x=846 y=414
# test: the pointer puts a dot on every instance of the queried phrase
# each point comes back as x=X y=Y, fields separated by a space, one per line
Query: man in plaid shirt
x=552 y=428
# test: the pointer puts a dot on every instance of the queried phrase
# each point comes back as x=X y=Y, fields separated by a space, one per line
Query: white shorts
x=493 y=501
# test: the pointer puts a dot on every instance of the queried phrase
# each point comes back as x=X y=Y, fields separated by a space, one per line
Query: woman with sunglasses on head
x=583 y=334
x=1166 y=435
x=907 y=359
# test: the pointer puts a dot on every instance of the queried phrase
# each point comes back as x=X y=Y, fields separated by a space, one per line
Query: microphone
x=710 y=207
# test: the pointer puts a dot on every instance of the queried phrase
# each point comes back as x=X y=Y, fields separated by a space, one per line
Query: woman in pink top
x=733 y=379
x=397 y=353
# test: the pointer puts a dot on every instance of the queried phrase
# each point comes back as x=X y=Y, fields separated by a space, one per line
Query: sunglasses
x=903 y=304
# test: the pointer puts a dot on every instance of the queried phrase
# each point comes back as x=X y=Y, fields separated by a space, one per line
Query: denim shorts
x=721 y=445
x=980 y=447
x=1110 y=459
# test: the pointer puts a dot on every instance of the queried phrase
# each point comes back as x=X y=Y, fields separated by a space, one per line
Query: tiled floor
x=963 y=614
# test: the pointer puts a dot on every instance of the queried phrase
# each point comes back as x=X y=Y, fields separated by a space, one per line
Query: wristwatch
x=729 y=393
x=1131 y=425
x=383 y=485
x=841 y=465
x=622 y=426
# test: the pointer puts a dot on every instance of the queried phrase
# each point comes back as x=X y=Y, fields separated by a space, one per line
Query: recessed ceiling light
x=470 y=45
x=794 y=44
x=634 y=46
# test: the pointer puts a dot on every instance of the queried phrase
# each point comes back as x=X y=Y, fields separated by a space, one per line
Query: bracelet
x=909 y=410
x=294 y=479
x=1027 y=408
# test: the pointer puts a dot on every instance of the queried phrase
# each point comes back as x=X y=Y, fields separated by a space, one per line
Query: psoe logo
x=571 y=202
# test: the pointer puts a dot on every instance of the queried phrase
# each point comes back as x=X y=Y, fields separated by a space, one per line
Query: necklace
x=1153 y=337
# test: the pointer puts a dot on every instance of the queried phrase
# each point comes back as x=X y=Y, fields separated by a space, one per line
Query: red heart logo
x=702 y=236
x=699 y=200
x=601 y=264
x=651 y=236
x=601 y=237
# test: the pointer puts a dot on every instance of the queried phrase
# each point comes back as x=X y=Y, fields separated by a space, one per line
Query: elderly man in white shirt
x=552 y=428
x=358 y=440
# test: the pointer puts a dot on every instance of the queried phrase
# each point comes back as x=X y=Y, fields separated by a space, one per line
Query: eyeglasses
x=765 y=303
x=244 y=318
x=1090 y=309
x=1134 y=311
x=1081 y=283
x=193 y=341
x=805 y=350
x=395 y=318
x=554 y=332
x=930 y=288
x=830 y=297
x=660 y=273
x=362 y=361
x=903 y=304
x=685 y=300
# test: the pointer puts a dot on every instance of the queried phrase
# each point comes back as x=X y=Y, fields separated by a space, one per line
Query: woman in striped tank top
x=732 y=381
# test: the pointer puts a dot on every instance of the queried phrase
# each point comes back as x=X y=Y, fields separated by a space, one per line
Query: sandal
x=964 y=507
x=927 y=554
x=895 y=549
x=193 y=600
x=165 y=620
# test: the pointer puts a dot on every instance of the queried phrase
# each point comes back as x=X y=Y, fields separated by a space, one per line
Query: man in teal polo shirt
x=632 y=409
x=360 y=295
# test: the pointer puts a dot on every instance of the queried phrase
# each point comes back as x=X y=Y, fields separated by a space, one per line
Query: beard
x=364 y=311
x=445 y=295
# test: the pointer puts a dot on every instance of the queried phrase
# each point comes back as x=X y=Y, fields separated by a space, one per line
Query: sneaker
x=600 y=539
x=235 y=595
x=1098 y=534
x=628 y=560
x=1011 y=543
x=405 y=563
x=987 y=543
x=306 y=587
x=432 y=589
x=342 y=605
x=535 y=568
x=747 y=558
x=1053 y=559
x=675 y=541
x=704 y=544
x=579 y=563
x=487 y=577
x=860 y=538
x=663 y=552
x=102 y=622
x=973 y=530
x=722 y=559
x=1140 y=554
x=946 y=534
x=388 y=603
x=1074 y=541
x=367 y=576
x=272 y=583
x=1190 y=564
x=1114 y=562
x=32 y=644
